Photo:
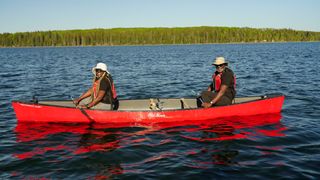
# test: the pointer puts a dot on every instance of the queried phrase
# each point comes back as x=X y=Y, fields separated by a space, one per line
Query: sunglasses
x=98 y=70
x=217 y=66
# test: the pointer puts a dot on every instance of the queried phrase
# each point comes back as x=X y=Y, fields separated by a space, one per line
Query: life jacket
x=114 y=92
x=94 y=88
x=109 y=81
x=113 y=87
x=216 y=78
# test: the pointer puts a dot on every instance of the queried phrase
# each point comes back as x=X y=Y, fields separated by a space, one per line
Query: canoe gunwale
x=263 y=97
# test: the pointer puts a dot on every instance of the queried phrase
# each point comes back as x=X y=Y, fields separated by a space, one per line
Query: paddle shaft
x=86 y=114
x=83 y=112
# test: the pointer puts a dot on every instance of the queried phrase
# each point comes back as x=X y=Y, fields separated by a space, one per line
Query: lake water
x=285 y=145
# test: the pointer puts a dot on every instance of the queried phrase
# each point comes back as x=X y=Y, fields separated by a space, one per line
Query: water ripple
x=245 y=148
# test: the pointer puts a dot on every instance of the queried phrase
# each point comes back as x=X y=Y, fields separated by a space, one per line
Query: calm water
x=285 y=145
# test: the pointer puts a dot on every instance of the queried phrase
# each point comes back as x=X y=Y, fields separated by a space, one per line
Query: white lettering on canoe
x=156 y=115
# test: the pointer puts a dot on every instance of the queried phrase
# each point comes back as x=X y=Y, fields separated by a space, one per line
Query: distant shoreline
x=235 y=43
x=155 y=36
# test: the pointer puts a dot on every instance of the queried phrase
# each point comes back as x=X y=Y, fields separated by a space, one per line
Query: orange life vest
x=113 y=89
x=94 y=88
x=216 y=77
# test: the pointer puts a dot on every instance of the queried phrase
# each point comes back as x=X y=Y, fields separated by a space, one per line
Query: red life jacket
x=217 y=81
x=216 y=78
x=114 y=92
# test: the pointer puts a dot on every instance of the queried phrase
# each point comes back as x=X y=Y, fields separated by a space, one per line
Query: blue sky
x=42 y=15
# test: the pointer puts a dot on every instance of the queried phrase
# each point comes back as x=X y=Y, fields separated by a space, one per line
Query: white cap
x=101 y=66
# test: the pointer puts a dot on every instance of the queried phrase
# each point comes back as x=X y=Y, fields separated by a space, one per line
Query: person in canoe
x=102 y=94
x=221 y=91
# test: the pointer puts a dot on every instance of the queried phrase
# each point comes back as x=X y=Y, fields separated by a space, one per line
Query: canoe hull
x=28 y=112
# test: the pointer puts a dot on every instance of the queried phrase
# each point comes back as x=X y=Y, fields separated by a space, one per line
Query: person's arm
x=83 y=96
x=223 y=89
x=100 y=96
x=102 y=91
x=217 y=97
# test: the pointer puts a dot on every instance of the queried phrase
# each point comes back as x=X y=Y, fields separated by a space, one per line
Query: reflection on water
x=80 y=139
x=219 y=149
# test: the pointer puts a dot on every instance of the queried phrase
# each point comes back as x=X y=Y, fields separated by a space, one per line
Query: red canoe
x=145 y=110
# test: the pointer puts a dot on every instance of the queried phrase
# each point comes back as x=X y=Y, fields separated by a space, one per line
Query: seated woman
x=102 y=94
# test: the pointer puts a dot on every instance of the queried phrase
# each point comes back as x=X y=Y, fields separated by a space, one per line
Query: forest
x=154 y=36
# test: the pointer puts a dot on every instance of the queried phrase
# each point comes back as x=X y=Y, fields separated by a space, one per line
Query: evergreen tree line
x=142 y=36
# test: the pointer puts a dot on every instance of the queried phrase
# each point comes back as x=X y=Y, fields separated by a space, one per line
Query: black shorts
x=207 y=96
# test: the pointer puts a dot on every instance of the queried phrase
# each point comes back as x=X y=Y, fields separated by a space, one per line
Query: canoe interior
x=154 y=104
